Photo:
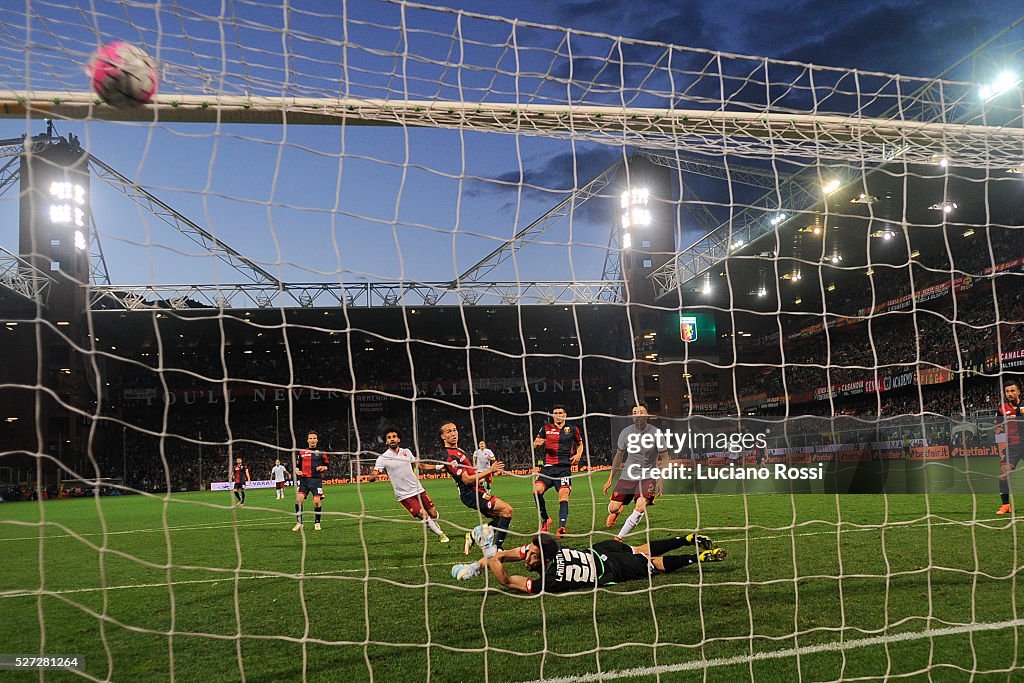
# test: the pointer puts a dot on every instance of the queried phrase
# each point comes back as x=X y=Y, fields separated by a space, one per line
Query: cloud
x=553 y=175
x=900 y=36
x=910 y=37
x=596 y=63
x=557 y=173
x=679 y=23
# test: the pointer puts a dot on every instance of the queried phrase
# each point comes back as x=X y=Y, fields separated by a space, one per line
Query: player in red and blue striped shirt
x=471 y=491
x=309 y=472
x=1011 y=429
x=239 y=478
x=563 y=448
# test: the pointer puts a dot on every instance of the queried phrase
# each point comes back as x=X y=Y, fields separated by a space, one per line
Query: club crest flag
x=688 y=328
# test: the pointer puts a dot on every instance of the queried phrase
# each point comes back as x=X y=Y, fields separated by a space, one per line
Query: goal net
x=342 y=231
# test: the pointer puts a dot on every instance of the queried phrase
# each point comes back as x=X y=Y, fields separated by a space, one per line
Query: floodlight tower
x=54 y=240
x=647 y=223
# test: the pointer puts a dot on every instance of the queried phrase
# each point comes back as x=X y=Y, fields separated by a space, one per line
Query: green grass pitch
x=816 y=587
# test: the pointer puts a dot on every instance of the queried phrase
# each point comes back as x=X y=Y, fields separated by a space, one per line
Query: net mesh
x=390 y=215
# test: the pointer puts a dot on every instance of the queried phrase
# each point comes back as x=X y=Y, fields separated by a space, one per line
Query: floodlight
x=863 y=198
x=944 y=207
x=1004 y=81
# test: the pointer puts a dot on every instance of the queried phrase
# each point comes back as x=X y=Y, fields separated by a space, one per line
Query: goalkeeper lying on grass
x=565 y=569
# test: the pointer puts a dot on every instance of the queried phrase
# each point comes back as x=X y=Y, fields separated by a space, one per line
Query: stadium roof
x=867 y=233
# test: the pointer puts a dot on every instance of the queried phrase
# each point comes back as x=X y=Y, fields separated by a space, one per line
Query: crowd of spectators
x=363 y=364
x=188 y=446
x=894 y=342
x=192 y=448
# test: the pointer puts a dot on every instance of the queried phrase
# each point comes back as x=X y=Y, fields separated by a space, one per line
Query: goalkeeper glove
x=465 y=572
x=483 y=536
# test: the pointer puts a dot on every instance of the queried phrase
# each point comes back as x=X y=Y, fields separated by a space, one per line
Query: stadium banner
x=889 y=382
x=254 y=484
x=858 y=455
x=941 y=289
x=892 y=454
x=1006 y=360
x=930 y=453
x=710 y=408
x=850 y=388
x=933 y=375
x=241 y=392
x=1015 y=264
x=977 y=451
x=800 y=397
x=853 y=388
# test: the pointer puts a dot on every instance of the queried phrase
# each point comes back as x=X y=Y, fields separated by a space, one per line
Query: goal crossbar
x=645 y=126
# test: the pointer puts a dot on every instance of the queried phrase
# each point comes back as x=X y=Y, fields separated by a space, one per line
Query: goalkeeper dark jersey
x=608 y=562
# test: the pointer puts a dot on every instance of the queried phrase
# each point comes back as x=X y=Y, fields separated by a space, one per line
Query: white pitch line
x=840 y=646
x=894 y=526
x=164 y=584
x=186 y=527
x=154 y=530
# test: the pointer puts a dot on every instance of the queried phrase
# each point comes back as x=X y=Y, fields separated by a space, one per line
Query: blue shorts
x=1013 y=454
x=555 y=476
x=311 y=487
x=476 y=500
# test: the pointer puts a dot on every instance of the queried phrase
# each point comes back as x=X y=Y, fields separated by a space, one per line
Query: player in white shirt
x=278 y=474
x=643 y=491
x=482 y=459
x=399 y=463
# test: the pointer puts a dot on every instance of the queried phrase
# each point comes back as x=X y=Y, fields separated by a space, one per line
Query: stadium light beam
x=944 y=207
x=634 y=204
x=1006 y=80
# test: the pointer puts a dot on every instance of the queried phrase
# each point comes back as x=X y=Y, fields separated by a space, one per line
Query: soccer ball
x=123 y=75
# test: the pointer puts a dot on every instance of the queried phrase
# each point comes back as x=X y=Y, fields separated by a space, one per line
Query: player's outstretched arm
x=616 y=466
x=470 y=479
x=513 y=581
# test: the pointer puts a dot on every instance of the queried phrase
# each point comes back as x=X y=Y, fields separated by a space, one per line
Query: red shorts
x=628 y=490
x=416 y=503
x=280 y=484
